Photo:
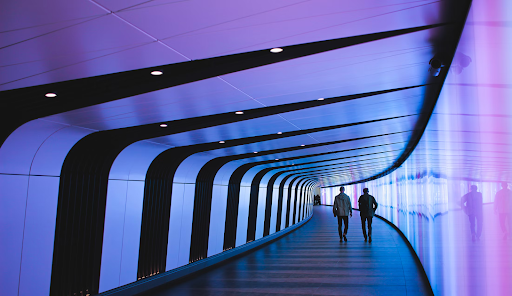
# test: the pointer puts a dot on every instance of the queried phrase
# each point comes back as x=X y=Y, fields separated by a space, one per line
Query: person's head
x=342 y=189
x=474 y=188
x=365 y=191
x=504 y=185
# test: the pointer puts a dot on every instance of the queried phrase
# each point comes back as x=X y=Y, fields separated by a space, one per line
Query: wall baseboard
x=408 y=243
x=180 y=273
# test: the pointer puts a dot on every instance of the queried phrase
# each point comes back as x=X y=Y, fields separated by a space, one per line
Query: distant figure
x=367 y=207
x=341 y=208
x=317 y=200
x=502 y=206
x=472 y=205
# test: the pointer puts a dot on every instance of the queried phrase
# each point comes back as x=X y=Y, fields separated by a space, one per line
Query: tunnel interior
x=142 y=138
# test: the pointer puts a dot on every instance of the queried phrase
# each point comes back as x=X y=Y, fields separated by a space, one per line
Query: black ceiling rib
x=112 y=155
x=203 y=196
x=268 y=209
x=158 y=190
x=204 y=186
x=447 y=46
x=341 y=172
x=234 y=186
x=255 y=184
x=296 y=204
x=322 y=168
x=337 y=159
x=290 y=215
x=26 y=104
x=84 y=179
x=281 y=197
x=336 y=172
x=234 y=191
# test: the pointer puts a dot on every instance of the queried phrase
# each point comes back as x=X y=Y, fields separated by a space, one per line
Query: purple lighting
x=464 y=244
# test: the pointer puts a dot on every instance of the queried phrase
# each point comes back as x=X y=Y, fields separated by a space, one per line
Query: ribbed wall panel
x=268 y=205
x=294 y=189
x=280 y=204
x=253 y=205
x=156 y=212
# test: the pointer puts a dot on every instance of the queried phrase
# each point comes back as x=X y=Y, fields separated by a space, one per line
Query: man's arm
x=463 y=201
x=334 y=206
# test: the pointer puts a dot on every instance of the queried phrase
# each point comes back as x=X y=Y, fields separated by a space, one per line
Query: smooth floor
x=313 y=261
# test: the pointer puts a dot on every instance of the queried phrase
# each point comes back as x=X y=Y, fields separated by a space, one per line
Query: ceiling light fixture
x=279 y=133
x=321 y=99
x=50 y=95
x=157 y=73
x=276 y=50
x=222 y=142
x=255 y=151
x=163 y=125
x=276 y=159
x=303 y=145
x=239 y=112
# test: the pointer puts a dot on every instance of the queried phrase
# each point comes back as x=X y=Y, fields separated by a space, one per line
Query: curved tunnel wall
x=466 y=143
x=132 y=247
x=84 y=211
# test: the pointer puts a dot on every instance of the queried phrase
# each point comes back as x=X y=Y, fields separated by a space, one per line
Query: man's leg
x=339 y=226
x=480 y=224
x=363 y=225
x=345 y=230
x=472 y=226
x=345 y=219
x=370 y=229
x=503 y=223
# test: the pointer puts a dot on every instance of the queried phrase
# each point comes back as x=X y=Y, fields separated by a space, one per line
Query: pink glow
x=468 y=142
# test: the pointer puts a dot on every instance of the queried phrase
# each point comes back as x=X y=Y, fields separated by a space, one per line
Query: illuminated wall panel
x=468 y=141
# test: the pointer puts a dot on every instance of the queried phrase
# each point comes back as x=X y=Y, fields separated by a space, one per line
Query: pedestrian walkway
x=312 y=261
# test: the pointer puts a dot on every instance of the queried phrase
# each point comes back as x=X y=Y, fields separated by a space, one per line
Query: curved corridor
x=312 y=261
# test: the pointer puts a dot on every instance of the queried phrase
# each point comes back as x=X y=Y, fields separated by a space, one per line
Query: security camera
x=436 y=64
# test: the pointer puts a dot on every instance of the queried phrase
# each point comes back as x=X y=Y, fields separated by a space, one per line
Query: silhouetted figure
x=367 y=207
x=503 y=206
x=317 y=200
x=472 y=205
x=342 y=208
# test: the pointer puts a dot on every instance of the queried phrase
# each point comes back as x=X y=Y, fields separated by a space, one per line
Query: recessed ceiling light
x=222 y=142
x=157 y=73
x=50 y=95
x=321 y=99
x=276 y=50
x=255 y=151
x=239 y=112
x=303 y=145
x=163 y=125
x=276 y=159
x=279 y=133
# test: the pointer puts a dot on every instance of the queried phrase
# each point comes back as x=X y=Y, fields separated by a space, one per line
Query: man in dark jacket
x=341 y=208
x=367 y=207
x=472 y=205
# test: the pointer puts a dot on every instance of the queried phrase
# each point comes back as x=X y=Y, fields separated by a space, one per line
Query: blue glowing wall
x=467 y=142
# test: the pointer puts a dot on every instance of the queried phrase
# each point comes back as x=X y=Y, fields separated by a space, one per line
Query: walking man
x=503 y=207
x=367 y=207
x=341 y=209
x=472 y=205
